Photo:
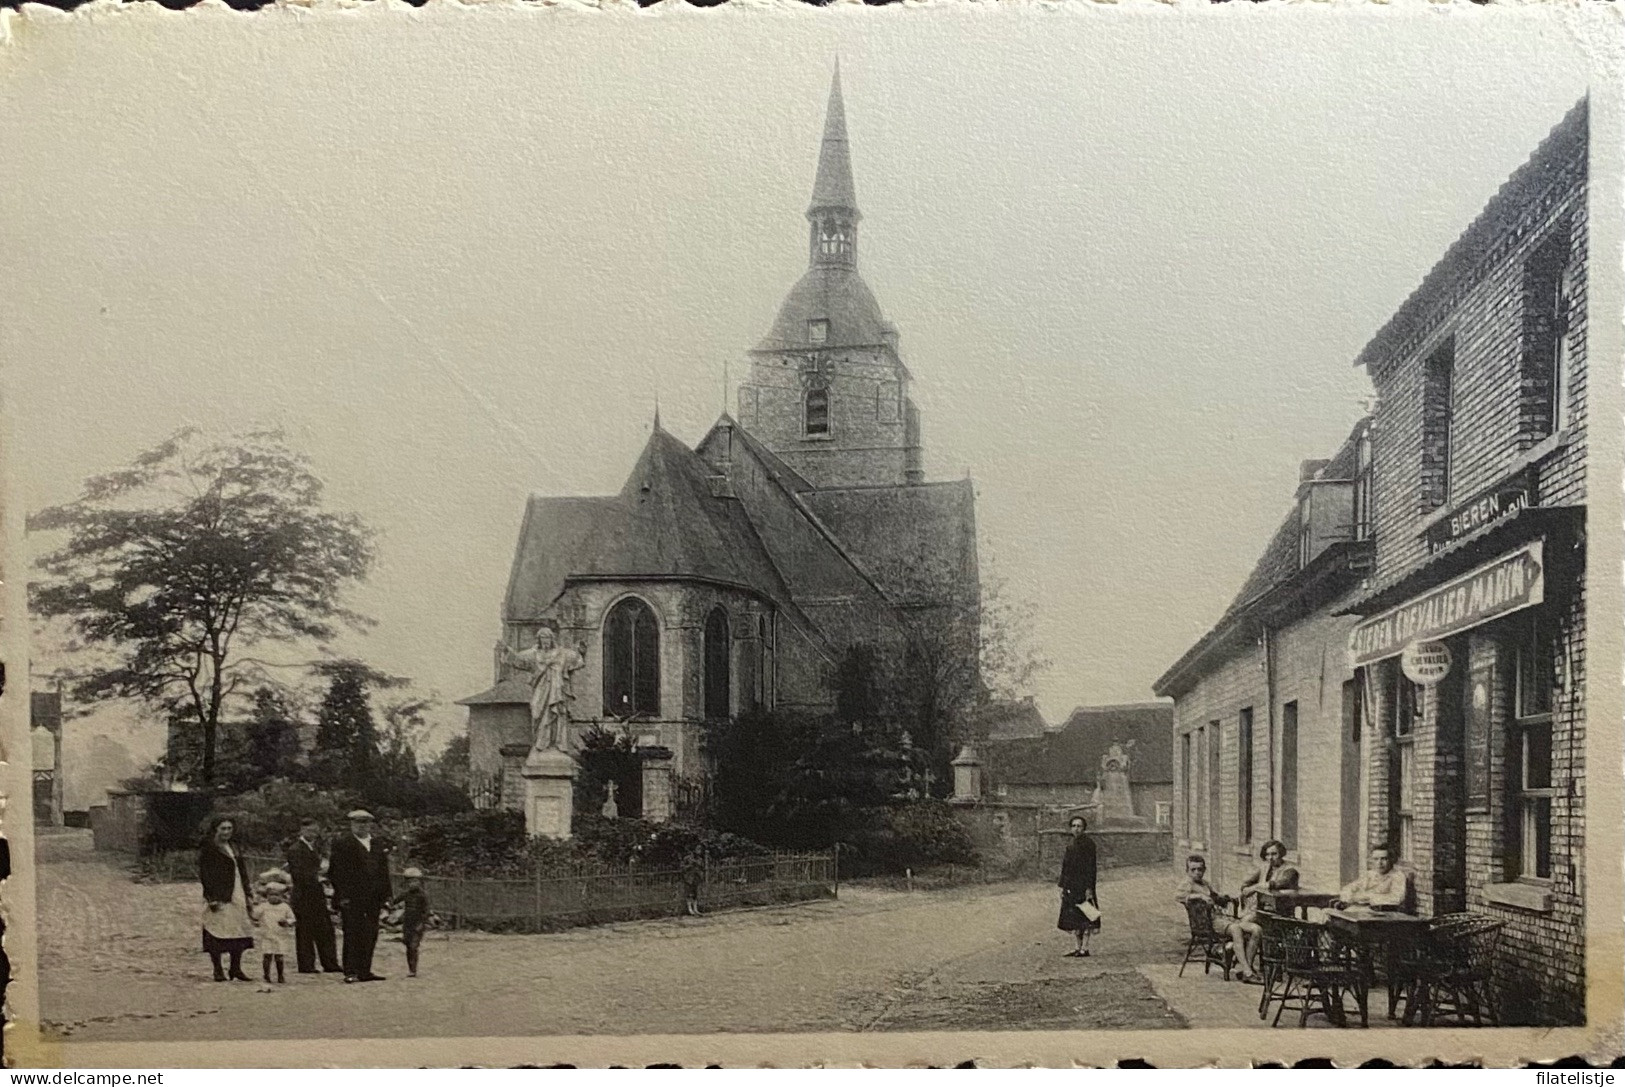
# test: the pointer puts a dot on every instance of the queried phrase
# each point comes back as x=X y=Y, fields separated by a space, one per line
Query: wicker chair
x=1457 y=977
x=1206 y=946
x=1311 y=972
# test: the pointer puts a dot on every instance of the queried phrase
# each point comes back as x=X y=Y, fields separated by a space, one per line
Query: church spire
x=834 y=209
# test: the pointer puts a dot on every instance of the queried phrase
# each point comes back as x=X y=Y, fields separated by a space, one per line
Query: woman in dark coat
x=227 y=929
x=1077 y=884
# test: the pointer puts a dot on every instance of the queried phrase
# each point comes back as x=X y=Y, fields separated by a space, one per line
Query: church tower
x=828 y=391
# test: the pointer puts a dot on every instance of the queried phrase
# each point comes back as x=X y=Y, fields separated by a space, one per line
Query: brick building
x=1470 y=644
x=735 y=575
x=1266 y=728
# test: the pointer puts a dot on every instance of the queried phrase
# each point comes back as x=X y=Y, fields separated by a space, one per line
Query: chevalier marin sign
x=1514 y=581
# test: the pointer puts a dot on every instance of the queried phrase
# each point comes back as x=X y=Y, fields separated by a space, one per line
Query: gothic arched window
x=817 y=414
x=631 y=660
x=763 y=692
x=718 y=679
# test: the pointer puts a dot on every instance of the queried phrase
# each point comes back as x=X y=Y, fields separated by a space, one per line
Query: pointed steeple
x=834 y=210
x=833 y=186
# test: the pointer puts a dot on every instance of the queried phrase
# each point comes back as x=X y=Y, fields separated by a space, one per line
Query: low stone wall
x=1032 y=837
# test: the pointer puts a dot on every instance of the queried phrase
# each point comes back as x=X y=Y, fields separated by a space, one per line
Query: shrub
x=490 y=842
x=268 y=816
x=915 y=835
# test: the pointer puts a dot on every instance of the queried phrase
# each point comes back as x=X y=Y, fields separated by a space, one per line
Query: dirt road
x=120 y=960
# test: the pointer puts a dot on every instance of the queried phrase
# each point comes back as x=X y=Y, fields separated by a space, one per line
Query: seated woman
x=1273 y=875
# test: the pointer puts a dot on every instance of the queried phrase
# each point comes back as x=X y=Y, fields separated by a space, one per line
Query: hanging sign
x=1513 y=581
x=1425 y=663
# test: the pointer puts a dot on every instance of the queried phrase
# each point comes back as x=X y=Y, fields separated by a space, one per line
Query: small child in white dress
x=273 y=924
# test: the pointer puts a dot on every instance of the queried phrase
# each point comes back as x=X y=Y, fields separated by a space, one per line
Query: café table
x=1300 y=901
x=1394 y=937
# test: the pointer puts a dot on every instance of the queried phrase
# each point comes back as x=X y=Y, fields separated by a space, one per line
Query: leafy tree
x=405 y=726
x=452 y=764
x=271 y=738
x=180 y=565
x=347 y=751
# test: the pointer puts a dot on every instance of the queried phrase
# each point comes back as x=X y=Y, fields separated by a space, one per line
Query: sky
x=459 y=253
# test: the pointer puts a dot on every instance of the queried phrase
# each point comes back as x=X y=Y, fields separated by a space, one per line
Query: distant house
x=45 y=728
x=1062 y=767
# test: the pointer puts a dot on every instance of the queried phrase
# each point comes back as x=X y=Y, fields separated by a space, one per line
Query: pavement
x=120 y=960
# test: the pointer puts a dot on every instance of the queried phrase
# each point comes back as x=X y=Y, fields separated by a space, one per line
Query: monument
x=1114 y=803
x=549 y=770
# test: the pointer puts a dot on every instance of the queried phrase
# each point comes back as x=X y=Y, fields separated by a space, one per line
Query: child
x=273 y=921
x=692 y=873
x=414 y=917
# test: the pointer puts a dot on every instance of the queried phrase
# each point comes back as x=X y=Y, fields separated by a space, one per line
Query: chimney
x=1309 y=469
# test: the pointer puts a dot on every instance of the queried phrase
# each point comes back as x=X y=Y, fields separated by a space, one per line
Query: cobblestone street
x=120 y=961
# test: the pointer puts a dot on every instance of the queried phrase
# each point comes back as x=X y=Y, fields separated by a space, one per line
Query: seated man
x=1273 y=875
x=1195 y=887
x=1383 y=888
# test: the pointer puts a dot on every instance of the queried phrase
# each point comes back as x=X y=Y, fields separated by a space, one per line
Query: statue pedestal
x=549 y=793
x=657 y=792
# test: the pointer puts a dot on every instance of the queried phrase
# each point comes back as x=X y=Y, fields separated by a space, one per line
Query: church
x=736 y=575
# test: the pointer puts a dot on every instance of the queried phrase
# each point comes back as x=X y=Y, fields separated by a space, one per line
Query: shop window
x=817 y=412
x=1530 y=761
x=1244 y=777
x=1438 y=409
x=1406 y=699
x=1362 y=487
x=631 y=651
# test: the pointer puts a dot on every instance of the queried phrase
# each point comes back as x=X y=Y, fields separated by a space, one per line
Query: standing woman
x=1077 y=884
x=224 y=875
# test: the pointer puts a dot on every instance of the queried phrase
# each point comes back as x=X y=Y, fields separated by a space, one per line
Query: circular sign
x=1425 y=663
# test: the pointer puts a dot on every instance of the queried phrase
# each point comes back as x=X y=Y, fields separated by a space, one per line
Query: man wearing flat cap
x=358 y=869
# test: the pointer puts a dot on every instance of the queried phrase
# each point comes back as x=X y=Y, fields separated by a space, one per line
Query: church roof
x=833 y=186
x=834 y=293
x=665 y=523
x=918 y=541
x=509 y=691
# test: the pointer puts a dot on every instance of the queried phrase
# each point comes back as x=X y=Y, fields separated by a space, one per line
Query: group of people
x=240 y=914
x=1384 y=887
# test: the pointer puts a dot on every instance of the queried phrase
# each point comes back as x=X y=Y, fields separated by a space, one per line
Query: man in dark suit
x=358 y=868
x=313 y=925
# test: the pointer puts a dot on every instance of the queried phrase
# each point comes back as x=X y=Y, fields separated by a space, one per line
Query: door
x=1450 y=794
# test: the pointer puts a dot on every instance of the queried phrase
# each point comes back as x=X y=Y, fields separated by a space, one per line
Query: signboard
x=1514 y=581
x=1425 y=663
x=1476 y=735
x=1484 y=508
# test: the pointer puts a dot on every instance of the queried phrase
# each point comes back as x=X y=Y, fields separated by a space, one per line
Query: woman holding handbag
x=1080 y=909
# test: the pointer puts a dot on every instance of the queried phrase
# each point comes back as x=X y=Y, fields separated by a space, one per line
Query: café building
x=1468 y=638
x=1267 y=740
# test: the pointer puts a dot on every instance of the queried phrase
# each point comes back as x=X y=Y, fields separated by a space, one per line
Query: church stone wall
x=868 y=438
